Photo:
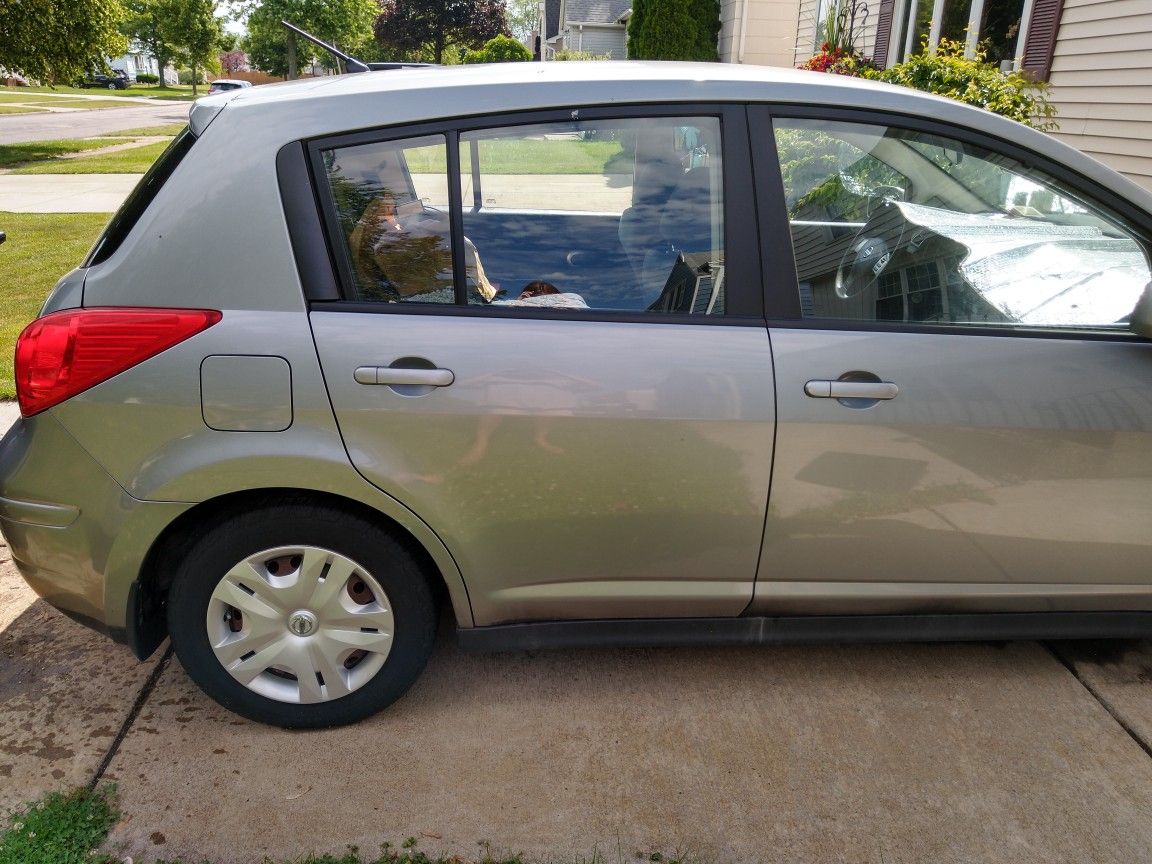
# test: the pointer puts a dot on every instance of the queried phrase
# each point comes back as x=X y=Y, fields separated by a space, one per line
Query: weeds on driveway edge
x=61 y=828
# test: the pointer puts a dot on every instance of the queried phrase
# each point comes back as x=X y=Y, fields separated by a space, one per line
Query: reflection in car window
x=391 y=200
x=896 y=225
x=607 y=214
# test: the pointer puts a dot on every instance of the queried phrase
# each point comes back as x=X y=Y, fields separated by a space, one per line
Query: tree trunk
x=440 y=47
x=195 y=77
x=293 y=73
x=162 y=62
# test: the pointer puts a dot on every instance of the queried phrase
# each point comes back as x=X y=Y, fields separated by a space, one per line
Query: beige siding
x=771 y=32
x=1102 y=82
x=808 y=25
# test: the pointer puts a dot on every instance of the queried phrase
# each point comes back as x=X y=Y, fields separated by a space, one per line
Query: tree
x=502 y=49
x=143 y=23
x=191 y=26
x=674 y=30
x=523 y=17
x=347 y=24
x=233 y=61
x=428 y=27
x=59 y=40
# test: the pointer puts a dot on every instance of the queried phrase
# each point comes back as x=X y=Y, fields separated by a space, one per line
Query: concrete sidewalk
x=65 y=193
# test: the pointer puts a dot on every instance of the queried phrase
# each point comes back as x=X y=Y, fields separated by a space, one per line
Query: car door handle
x=851 y=389
x=392 y=375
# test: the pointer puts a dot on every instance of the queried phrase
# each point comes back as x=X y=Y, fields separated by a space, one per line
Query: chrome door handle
x=851 y=389
x=392 y=375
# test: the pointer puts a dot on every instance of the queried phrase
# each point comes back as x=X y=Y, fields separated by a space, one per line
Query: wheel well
x=147 y=621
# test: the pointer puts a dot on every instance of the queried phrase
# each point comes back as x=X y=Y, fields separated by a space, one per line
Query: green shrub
x=147 y=78
x=501 y=49
x=975 y=81
x=184 y=76
x=674 y=30
x=565 y=54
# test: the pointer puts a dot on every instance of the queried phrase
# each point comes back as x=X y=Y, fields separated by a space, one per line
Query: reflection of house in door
x=1096 y=54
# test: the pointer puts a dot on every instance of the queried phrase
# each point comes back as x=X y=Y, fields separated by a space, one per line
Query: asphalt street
x=16 y=128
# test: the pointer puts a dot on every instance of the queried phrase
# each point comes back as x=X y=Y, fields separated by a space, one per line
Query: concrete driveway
x=1018 y=752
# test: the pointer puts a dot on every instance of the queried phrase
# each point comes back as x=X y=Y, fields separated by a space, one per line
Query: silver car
x=588 y=353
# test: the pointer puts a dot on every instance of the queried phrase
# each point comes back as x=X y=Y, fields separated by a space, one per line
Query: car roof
x=337 y=103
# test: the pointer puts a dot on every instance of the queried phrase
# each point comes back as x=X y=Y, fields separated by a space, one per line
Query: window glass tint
x=894 y=225
x=606 y=214
x=391 y=203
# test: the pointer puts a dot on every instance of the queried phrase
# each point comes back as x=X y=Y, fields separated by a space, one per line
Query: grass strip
x=178 y=92
x=40 y=151
x=16 y=109
x=61 y=829
x=171 y=130
x=41 y=248
x=528 y=156
x=134 y=161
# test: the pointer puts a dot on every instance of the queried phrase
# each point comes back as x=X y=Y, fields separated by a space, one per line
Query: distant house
x=596 y=26
x=1096 y=54
x=139 y=60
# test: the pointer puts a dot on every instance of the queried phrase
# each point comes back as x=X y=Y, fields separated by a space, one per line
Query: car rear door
x=965 y=422
x=601 y=450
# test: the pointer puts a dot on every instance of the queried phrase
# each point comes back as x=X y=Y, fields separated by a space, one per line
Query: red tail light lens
x=67 y=352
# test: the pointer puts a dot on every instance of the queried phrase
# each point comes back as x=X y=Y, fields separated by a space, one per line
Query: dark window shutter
x=883 y=33
x=1040 y=44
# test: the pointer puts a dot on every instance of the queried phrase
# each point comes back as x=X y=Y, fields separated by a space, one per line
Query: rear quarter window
x=137 y=202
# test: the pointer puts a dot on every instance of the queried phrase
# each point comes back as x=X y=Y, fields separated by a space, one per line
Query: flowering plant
x=837 y=60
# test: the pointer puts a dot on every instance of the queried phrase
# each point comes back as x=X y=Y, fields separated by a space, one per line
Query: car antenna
x=350 y=63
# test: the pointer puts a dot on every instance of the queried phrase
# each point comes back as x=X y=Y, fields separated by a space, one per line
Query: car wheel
x=112 y=85
x=301 y=616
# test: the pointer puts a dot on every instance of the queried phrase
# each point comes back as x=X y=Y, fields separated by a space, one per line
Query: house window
x=995 y=24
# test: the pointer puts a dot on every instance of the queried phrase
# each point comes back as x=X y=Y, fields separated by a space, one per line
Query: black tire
x=232 y=539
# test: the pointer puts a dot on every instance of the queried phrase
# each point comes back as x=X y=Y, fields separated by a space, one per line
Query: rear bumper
x=75 y=535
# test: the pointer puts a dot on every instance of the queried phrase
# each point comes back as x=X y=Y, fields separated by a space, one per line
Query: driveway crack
x=1103 y=700
x=137 y=706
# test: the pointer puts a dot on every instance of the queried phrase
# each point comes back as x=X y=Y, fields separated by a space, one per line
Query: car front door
x=552 y=350
x=965 y=421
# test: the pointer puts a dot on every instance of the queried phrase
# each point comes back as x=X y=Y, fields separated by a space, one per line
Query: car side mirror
x=1140 y=321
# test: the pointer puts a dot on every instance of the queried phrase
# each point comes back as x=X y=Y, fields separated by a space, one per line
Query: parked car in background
x=223 y=85
x=610 y=353
x=116 y=81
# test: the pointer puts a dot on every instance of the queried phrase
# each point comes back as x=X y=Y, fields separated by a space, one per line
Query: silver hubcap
x=300 y=624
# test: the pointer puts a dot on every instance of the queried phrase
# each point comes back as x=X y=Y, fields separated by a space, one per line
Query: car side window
x=622 y=214
x=391 y=202
x=891 y=224
x=603 y=214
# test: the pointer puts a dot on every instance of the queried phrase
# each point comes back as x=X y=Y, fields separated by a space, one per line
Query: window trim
x=742 y=252
x=786 y=311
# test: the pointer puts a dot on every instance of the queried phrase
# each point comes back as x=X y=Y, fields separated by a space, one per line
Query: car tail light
x=66 y=352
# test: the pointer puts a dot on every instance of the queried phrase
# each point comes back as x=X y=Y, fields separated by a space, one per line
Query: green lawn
x=38 y=151
x=134 y=161
x=13 y=109
x=61 y=829
x=30 y=99
x=41 y=248
x=171 y=131
x=178 y=91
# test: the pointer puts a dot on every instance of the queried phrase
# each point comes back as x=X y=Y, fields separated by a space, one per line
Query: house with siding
x=597 y=26
x=1096 y=54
